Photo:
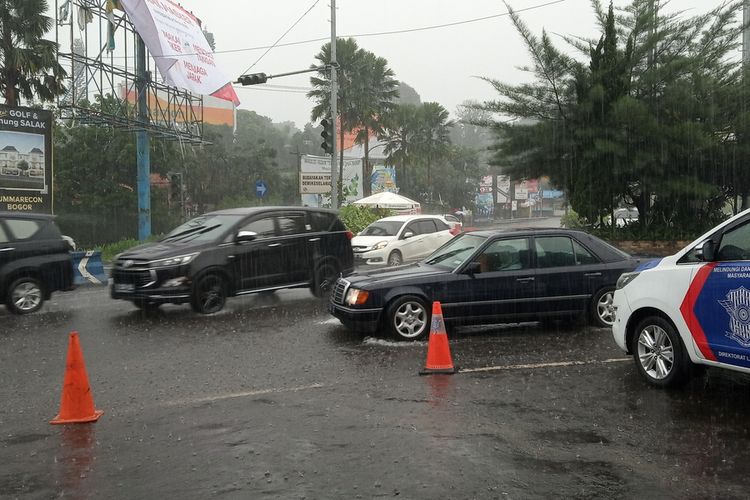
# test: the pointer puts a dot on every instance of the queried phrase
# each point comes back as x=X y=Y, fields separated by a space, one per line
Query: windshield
x=382 y=228
x=203 y=228
x=454 y=253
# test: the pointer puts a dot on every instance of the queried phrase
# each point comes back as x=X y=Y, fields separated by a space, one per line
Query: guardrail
x=88 y=268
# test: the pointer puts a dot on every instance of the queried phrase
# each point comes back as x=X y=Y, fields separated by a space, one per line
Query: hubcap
x=410 y=320
x=26 y=296
x=604 y=308
x=655 y=352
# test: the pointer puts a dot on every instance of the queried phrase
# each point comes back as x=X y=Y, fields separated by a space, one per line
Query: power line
x=379 y=33
x=282 y=36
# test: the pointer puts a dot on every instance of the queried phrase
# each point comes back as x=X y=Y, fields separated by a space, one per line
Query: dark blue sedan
x=487 y=277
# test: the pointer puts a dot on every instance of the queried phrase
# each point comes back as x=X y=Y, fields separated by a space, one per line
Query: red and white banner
x=179 y=47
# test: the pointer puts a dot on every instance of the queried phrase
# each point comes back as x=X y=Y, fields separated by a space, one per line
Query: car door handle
x=314 y=239
x=274 y=244
x=525 y=280
x=6 y=249
x=591 y=275
x=230 y=257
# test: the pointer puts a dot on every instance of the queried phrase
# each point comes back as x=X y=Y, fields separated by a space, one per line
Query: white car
x=402 y=238
x=691 y=308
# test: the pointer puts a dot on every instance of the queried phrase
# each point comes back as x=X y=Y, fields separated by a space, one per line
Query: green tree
x=366 y=88
x=28 y=62
x=400 y=127
x=651 y=116
x=432 y=137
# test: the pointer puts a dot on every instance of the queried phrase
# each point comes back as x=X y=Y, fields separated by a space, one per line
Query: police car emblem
x=738 y=307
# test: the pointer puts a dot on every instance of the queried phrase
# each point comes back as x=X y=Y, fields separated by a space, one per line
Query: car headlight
x=355 y=297
x=379 y=245
x=626 y=278
x=174 y=261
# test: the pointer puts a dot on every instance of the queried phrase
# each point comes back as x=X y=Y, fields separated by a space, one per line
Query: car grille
x=139 y=279
x=339 y=291
x=358 y=248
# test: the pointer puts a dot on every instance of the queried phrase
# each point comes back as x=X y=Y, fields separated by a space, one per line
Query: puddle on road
x=391 y=343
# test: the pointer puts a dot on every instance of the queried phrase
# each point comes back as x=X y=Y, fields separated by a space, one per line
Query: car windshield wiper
x=193 y=231
x=448 y=255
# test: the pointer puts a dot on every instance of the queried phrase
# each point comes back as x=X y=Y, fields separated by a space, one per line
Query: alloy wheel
x=27 y=296
x=410 y=320
x=605 y=309
x=655 y=352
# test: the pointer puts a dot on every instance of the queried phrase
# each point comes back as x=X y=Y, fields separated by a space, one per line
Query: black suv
x=35 y=261
x=235 y=252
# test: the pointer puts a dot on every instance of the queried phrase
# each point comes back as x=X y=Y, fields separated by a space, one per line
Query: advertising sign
x=503 y=188
x=485 y=184
x=315 y=180
x=25 y=160
x=383 y=179
x=179 y=47
x=521 y=193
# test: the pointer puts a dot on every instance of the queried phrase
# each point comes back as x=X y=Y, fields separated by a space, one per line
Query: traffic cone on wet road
x=77 y=403
x=438 y=351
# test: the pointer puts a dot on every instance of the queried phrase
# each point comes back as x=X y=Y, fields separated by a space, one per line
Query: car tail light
x=349 y=235
x=455 y=229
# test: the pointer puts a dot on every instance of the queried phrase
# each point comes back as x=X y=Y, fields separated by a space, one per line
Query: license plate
x=124 y=287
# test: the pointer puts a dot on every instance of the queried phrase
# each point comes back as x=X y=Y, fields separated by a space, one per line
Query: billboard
x=383 y=179
x=315 y=180
x=503 y=188
x=25 y=160
x=179 y=47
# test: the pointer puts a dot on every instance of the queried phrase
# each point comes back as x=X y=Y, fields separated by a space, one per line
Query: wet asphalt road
x=272 y=398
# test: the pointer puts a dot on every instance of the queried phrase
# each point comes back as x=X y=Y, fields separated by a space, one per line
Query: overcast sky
x=441 y=64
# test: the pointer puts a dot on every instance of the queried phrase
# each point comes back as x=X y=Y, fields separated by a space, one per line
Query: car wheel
x=209 y=294
x=324 y=280
x=659 y=354
x=25 y=296
x=395 y=259
x=408 y=318
x=602 y=312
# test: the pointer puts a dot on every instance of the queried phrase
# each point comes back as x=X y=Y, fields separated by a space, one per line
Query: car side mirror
x=245 y=236
x=473 y=268
x=407 y=235
x=707 y=251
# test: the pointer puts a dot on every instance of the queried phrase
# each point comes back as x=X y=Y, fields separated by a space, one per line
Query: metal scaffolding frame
x=103 y=84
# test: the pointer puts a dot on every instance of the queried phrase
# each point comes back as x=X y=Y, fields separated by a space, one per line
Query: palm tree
x=28 y=63
x=433 y=136
x=366 y=89
x=399 y=132
x=375 y=98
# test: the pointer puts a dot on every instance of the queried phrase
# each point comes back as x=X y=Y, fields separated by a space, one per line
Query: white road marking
x=231 y=395
x=541 y=365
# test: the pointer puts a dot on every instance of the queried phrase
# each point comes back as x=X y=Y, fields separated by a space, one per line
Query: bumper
x=622 y=316
x=360 y=320
x=176 y=295
x=371 y=258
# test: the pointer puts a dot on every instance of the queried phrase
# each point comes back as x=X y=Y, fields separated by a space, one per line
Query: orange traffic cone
x=77 y=404
x=438 y=351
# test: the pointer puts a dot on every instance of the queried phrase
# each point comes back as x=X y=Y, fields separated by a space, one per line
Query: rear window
x=323 y=221
x=23 y=229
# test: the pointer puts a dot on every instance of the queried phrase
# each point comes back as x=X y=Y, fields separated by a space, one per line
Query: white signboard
x=514 y=205
x=521 y=193
x=179 y=47
x=503 y=188
x=315 y=179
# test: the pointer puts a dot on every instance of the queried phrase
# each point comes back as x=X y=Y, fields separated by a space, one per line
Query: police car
x=691 y=308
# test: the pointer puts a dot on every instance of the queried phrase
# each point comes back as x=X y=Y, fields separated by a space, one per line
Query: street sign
x=261 y=188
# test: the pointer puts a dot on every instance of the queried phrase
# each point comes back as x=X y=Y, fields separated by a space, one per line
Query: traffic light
x=175 y=187
x=327 y=135
x=253 y=79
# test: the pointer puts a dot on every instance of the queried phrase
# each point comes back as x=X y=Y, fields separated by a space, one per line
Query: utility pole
x=745 y=66
x=143 y=145
x=335 y=202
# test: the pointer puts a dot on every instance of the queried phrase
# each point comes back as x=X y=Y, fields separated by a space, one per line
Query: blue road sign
x=261 y=188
